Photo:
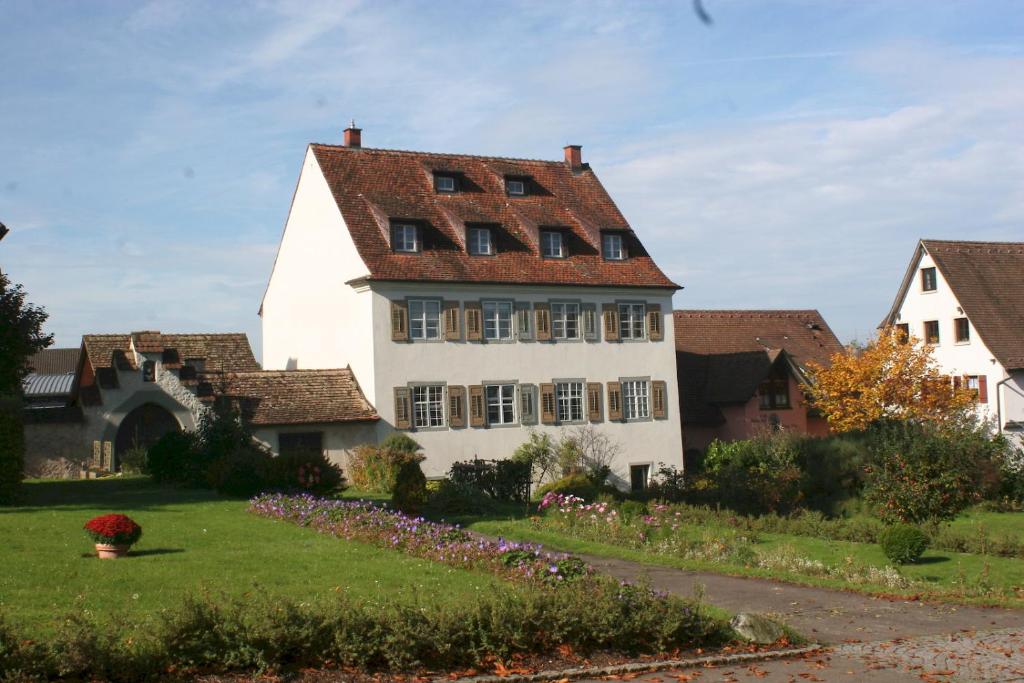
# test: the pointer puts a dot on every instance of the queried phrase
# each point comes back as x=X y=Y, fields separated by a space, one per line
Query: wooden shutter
x=477 y=408
x=456 y=406
x=527 y=404
x=524 y=321
x=548 y=412
x=452 y=328
x=399 y=321
x=958 y=382
x=542 y=314
x=654 y=331
x=589 y=313
x=403 y=411
x=614 y=400
x=474 y=321
x=658 y=403
x=610 y=314
x=594 y=401
x=982 y=388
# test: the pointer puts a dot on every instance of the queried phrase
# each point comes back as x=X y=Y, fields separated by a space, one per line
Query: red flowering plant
x=113 y=530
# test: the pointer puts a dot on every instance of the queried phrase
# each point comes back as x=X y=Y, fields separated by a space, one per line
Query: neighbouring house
x=476 y=299
x=54 y=425
x=744 y=372
x=966 y=301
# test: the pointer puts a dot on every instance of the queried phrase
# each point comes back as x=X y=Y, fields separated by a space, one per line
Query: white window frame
x=511 y=184
x=426 y=318
x=493 y=314
x=548 y=238
x=475 y=243
x=560 y=317
x=439 y=178
x=428 y=406
x=632 y=321
x=400 y=234
x=502 y=397
x=636 y=399
x=619 y=251
x=569 y=395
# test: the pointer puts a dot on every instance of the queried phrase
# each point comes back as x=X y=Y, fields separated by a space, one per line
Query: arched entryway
x=142 y=427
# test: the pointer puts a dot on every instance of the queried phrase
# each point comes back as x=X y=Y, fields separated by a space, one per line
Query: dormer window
x=405 y=238
x=613 y=248
x=515 y=187
x=445 y=183
x=552 y=244
x=480 y=243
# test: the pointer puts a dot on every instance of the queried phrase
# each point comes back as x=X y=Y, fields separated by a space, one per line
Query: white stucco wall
x=338 y=439
x=469 y=363
x=309 y=313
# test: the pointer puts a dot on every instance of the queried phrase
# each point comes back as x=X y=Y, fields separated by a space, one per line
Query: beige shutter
x=452 y=331
x=594 y=401
x=654 y=331
x=527 y=404
x=589 y=313
x=474 y=321
x=399 y=321
x=477 y=409
x=524 y=321
x=548 y=413
x=542 y=314
x=614 y=400
x=456 y=406
x=402 y=408
x=658 y=399
x=610 y=314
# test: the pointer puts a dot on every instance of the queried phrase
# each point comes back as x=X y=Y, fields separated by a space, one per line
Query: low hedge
x=903 y=543
x=204 y=637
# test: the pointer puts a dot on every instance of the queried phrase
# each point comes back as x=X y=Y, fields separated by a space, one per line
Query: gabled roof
x=271 y=397
x=229 y=352
x=373 y=187
x=54 y=361
x=988 y=281
x=722 y=356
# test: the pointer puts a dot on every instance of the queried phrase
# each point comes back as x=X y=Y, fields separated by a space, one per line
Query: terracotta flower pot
x=111 y=552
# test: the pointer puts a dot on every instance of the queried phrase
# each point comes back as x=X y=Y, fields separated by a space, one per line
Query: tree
x=892 y=378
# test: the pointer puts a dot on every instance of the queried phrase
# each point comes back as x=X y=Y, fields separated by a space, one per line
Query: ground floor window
x=501 y=401
x=569 y=401
x=639 y=476
x=428 y=406
x=297 y=443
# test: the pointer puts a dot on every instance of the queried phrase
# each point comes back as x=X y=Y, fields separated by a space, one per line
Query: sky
x=788 y=155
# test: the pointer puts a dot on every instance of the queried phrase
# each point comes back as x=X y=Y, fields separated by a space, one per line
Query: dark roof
x=54 y=361
x=372 y=187
x=37 y=385
x=229 y=352
x=272 y=397
x=722 y=356
x=988 y=281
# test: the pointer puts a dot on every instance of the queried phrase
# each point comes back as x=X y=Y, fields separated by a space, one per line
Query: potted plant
x=113 y=535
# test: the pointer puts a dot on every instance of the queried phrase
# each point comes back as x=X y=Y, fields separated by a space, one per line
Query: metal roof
x=38 y=386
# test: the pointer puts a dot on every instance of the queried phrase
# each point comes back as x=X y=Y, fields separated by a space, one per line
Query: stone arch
x=143 y=426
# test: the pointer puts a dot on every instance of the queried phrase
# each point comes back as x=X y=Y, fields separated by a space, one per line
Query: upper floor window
x=902 y=333
x=428 y=405
x=497 y=320
x=774 y=391
x=405 y=237
x=445 y=183
x=635 y=402
x=569 y=401
x=963 y=330
x=501 y=402
x=613 y=247
x=480 y=242
x=565 y=321
x=424 y=319
x=931 y=331
x=149 y=371
x=552 y=244
x=631 y=321
x=515 y=186
x=928 y=280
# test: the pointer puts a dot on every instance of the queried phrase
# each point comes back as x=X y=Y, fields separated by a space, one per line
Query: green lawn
x=193 y=541
x=994 y=524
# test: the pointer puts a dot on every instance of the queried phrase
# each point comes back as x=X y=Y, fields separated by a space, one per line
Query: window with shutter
x=399 y=321
x=456 y=409
x=654 y=332
x=610 y=313
x=402 y=409
x=547 y=404
x=474 y=321
x=589 y=314
x=528 y=404
x=982 y=389
x=594 y=401
x=614 y=401
x=542 y=314
x=524 y=321
x=477 y=407
x=659 y=391
x=452 y=331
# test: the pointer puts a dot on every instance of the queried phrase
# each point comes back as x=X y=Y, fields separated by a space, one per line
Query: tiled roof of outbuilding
x=55 y=361
x=373 y=187
x=228 y=352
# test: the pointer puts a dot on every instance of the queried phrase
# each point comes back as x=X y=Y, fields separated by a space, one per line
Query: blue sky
x=787 y=156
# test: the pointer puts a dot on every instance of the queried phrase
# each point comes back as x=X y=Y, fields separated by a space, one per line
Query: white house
x=966 y=299
x=476 y=298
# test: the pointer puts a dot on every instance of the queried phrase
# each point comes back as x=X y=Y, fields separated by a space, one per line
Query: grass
x=193 y=541
x=1009 y=524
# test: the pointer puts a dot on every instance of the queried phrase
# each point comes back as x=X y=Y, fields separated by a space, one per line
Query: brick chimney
x=353 y=135
x=574 y=157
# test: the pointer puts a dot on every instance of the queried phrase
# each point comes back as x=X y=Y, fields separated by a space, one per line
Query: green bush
x=573 y=484
x=375 y=468
x=304 y=471
x=757 y=475
x=903 y=543
x=400 y=443
x=132 y=461
x=833 y=469
x=242 y=472
x=505 y=480
x=172 y=459
x=453 y=498
x=12 y=450
x=410 y=492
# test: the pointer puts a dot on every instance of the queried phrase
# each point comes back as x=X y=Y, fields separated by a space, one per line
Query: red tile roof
x=373 y=187
x=228 y=352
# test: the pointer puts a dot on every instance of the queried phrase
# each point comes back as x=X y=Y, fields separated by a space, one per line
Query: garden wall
x=55 y=449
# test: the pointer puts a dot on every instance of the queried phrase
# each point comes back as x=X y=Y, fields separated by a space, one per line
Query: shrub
x=833 y=470
x=172 y=459
x=113 y=530
x=539 y=452
x=304 y=471
x=132 y=461
x=401 y=443
x=241 y=472
x=574 y=484
x=506 y=480
x=410 y=490
x=903 y=543
x=12 y=450
x=757 y=475
x=375 y=469
x=454 y=498
x=668 y=484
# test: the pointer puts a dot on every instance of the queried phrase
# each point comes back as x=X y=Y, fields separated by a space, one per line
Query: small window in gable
x=552 y=244
x=445 y=183
x=515 y=187
x=929 y=283
x=405 y=238
x=613 y=247
x=480 y=243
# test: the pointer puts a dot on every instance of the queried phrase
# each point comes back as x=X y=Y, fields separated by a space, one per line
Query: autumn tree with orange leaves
x=893 y=378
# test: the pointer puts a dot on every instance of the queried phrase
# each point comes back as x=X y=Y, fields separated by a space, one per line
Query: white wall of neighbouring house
x=468 y=363
x=339 y=439
x=310 y=317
